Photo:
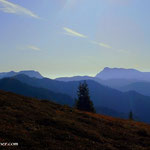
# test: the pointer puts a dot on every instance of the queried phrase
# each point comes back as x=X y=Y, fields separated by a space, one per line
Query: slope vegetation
x=44 y=125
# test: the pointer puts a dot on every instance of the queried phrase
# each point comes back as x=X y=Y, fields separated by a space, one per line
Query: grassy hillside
x=43 y=125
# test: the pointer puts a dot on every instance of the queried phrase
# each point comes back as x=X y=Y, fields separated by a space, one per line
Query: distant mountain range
x=30 y=73
x=113 y=73
x=120 y=79
x=114 y=96
x=116 y=103
x=107 y=74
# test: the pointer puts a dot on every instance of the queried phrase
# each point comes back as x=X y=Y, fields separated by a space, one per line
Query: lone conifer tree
x=83 y=102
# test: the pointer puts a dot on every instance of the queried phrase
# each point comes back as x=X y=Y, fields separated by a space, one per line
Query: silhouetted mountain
x=30 y=73
x=120 y=73
x=113 y=77
x=44 y=125
x=7 y=74
x=140 y=87
x=13 y=85
x=101 y=96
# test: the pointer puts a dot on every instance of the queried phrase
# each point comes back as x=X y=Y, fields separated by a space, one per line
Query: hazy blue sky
x=74 y=37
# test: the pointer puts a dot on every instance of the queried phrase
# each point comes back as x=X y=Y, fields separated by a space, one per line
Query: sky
x=74 y=37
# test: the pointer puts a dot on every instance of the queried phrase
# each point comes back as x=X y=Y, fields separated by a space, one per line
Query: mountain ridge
x=30 y=73
x=113 y=77
x=121 y=73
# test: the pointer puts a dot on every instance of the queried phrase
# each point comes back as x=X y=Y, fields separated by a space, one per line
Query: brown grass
x=43 y=125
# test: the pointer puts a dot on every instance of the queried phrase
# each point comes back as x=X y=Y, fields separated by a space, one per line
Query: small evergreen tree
x=83 y=102
x=130 y=115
